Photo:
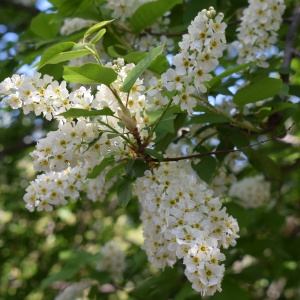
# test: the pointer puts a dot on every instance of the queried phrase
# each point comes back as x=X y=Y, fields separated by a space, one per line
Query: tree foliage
x=145 y=101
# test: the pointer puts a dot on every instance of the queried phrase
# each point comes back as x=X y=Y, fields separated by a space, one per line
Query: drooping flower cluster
x=66 y=155
x=199 y=53
x=182 y=219
x=258 y=30
x=252 y=191
x=113 y=260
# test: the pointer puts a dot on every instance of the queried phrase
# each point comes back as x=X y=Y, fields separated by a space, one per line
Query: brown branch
x=289 y=49
x=167 y=159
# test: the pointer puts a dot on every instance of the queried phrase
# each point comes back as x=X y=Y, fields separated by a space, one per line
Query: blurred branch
x=289 y=50
x=19 y=7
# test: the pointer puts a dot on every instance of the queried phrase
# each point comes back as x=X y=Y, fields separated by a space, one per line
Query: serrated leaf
x=142 y=65
x=258 y=90
x=149 y=12
x=96 y=27
x=90 y=73
x=80 y=112
x=116 y=170
x=124 y=192
x=154 y=153
x=99 y=168
x=264 y=164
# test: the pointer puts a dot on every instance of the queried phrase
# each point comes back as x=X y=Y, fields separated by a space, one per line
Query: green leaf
x=231 y=71
x=236 y=136
x=259 y=90
x=43 y=26
x=135 y=168
x=154 y=153
x=90 y=73
x=99 y=168
x=264 y=164
x=64 y=274
x=98 y=36
x=140 y=68
x=124 y=192
x=266 y=111
x=56 y=54
x=94 y=142
x=116 y=170
x=96 y=27
x=78 y=257
x=149 y=12
x=80 y=112
x=159 y=65
x=206 y=168
x=207 y=118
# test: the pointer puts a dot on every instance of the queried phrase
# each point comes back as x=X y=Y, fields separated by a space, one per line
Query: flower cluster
x=182 y=219
x=75 y=24
x=69 y=154
x=258 y=30
x=122 y=10
x=113 y=260
x=199 y=53
x=252 y=191
x=53 y=188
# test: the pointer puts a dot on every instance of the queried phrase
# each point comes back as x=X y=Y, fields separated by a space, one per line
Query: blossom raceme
x=61 y=153
x=113 y=260
x=253 y=191
x=183 y=220
x=182 y=217
x=258 y=30
x=200 y=50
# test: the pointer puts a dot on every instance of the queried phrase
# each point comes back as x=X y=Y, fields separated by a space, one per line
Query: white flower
x=257 y=31
x=252 y=191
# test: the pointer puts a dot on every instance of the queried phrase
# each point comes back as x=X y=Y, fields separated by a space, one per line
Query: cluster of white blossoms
x=199 y=53
x=252 y=192
x=258 y=30
x=181 y=216
x=122 y=10
x=67 y=155
x=113 y=260
x=183 y=220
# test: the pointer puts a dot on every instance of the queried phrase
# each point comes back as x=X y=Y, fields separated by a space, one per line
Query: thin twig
x=166 y=159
